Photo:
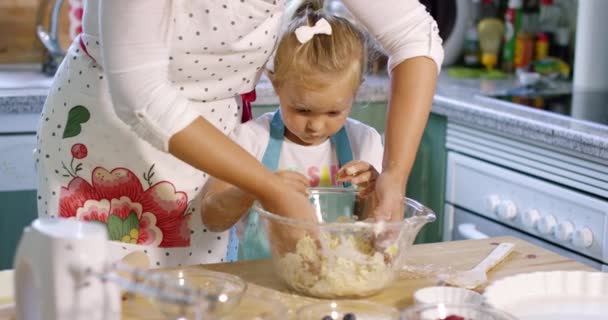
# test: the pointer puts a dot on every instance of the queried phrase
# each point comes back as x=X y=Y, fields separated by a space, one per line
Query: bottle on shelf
x=541 y=48
x=491 y=32
x=489 y=9
x=513 y=17
x=549 y=19
x=561 y=47
x=524 y=50
x=525 y=38
x=472 y=51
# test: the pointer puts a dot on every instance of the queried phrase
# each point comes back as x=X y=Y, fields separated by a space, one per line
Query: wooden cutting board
x=425 y=260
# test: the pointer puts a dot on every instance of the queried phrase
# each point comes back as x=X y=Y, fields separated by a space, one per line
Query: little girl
x=309 y=141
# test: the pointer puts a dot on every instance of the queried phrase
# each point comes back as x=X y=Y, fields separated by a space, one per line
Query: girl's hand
x=361 y=174
x=295 y=180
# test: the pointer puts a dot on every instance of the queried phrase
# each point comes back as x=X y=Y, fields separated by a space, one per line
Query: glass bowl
x=455 y=312
x=347 y=310
x=257 y=308
x=338 y=256
x=195 y=293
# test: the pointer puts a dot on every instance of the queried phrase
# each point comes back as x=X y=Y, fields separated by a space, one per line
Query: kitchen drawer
x=17 y=168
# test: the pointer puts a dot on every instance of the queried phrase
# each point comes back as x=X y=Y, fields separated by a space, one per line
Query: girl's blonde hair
x=324 y=57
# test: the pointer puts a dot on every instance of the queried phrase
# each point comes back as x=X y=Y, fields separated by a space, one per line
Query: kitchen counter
x=465 y=101
x=461 y=100
x=16 y=100
x=455 y=255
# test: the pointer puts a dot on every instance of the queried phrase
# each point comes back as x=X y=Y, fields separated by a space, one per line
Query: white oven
x=498 y=186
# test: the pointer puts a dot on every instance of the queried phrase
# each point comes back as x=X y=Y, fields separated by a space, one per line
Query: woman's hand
x=289 y=200
x=361 y=174
x=294 y=180
x=389 y=194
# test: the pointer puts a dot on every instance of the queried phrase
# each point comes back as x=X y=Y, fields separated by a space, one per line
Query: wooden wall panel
x=18 y=40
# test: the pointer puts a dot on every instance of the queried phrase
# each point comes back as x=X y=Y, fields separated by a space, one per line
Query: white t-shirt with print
x=320 y=162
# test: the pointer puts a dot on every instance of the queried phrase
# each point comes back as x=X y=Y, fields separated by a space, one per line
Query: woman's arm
x=223 y=205
x=411 y=39
x=412 y=89
x=135 y=37
x=219 y=156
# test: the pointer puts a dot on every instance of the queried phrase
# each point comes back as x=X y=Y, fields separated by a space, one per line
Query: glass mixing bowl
x=347 y=310
x=196 y=293
x=338 y=256
x=455 y=312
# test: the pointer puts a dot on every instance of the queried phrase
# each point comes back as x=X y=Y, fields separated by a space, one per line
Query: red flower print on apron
x=156 y=216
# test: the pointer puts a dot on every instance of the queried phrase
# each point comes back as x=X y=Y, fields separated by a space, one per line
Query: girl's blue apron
x=254 y=244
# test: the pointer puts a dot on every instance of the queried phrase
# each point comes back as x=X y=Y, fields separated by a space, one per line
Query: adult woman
x=129 y=126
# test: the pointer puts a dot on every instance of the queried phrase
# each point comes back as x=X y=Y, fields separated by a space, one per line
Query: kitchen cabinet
x=427 y=179
x=17 y=191
x=17 y=210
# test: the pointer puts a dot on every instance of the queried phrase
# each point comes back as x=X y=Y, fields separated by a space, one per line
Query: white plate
x=553 y=295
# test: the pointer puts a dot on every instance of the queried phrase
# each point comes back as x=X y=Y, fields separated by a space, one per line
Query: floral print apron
x=92 y=167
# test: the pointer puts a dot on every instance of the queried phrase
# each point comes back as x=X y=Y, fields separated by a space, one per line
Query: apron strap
x=345 y=154
x=247 y=99
x=84 y=48
x=277 y=134
x=273 y=150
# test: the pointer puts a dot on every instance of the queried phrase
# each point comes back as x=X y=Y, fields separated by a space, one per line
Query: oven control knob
x=507 y=210
x=564 y=231
x=530 y=218
x=546 y=224
x=492 y=202
x=583 y=238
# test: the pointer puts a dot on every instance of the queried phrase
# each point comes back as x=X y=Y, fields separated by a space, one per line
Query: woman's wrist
x=270 y=187
x=396 y=174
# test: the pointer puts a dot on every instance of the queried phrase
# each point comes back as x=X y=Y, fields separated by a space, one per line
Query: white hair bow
x=305 y=33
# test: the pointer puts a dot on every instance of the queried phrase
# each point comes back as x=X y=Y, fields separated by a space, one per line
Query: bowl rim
x=430 y=306
x=426 y=214
x=278 y=306
x=376 y=305
x=202 y=272
x=422 y=293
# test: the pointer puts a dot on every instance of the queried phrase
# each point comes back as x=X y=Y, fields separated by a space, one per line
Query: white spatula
x=471 y=279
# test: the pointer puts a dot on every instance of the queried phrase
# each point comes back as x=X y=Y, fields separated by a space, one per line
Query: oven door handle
x=469 y=231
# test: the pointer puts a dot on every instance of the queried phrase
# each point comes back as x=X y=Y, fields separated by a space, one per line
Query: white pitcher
x=57 y=268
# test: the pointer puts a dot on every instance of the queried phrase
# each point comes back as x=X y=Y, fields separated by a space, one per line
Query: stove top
x=587 y=106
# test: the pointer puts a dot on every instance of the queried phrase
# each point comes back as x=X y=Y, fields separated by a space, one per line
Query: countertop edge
x=511 y=125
